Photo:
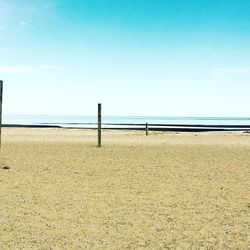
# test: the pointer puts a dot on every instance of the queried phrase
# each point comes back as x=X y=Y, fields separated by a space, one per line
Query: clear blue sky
x=137 y=57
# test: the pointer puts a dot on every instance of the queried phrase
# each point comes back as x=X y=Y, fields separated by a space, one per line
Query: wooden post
x=1 y=100
x=99 y=125
x=146 y=128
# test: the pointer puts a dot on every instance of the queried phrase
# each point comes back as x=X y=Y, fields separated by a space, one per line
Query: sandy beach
x=162 y=191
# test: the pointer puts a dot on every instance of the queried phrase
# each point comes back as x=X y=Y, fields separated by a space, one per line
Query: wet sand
x=162 y=191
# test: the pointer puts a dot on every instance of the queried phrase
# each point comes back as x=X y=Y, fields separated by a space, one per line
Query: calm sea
x=120 y=121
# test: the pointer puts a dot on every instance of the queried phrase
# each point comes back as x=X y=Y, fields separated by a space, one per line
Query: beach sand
x=162 y=191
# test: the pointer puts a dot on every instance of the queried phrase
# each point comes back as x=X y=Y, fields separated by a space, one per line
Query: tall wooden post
x=99 y=125
x=146 y=128
x=1 y=100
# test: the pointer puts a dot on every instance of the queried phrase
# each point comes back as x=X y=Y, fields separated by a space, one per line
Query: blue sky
x=137 y=57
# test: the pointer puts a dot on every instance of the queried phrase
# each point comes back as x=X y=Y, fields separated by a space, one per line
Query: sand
x=164 y=191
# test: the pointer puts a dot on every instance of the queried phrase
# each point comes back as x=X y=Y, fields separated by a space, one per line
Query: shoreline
x=155 y=127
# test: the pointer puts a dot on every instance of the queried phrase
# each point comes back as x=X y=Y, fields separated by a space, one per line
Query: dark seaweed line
x=157 y=125
x=184 y=128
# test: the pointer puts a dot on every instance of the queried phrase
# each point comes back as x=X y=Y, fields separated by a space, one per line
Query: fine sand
x=162 y=191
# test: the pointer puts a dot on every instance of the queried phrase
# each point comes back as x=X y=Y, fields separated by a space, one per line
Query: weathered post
x=146 y=128
x=99 y=125
x=1 y=100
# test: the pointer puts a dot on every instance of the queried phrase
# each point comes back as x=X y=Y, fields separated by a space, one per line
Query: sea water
x=119 y=121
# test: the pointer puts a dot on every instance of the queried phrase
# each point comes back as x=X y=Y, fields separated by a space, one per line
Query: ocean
x=160 y=122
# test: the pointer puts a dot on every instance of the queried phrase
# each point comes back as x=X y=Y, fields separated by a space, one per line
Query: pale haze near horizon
x=140 y=57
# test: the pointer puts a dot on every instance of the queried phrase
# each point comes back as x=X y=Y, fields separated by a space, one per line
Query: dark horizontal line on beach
x=180 y=128
x=157 y=125
x=29 y=126
x=183 y=129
